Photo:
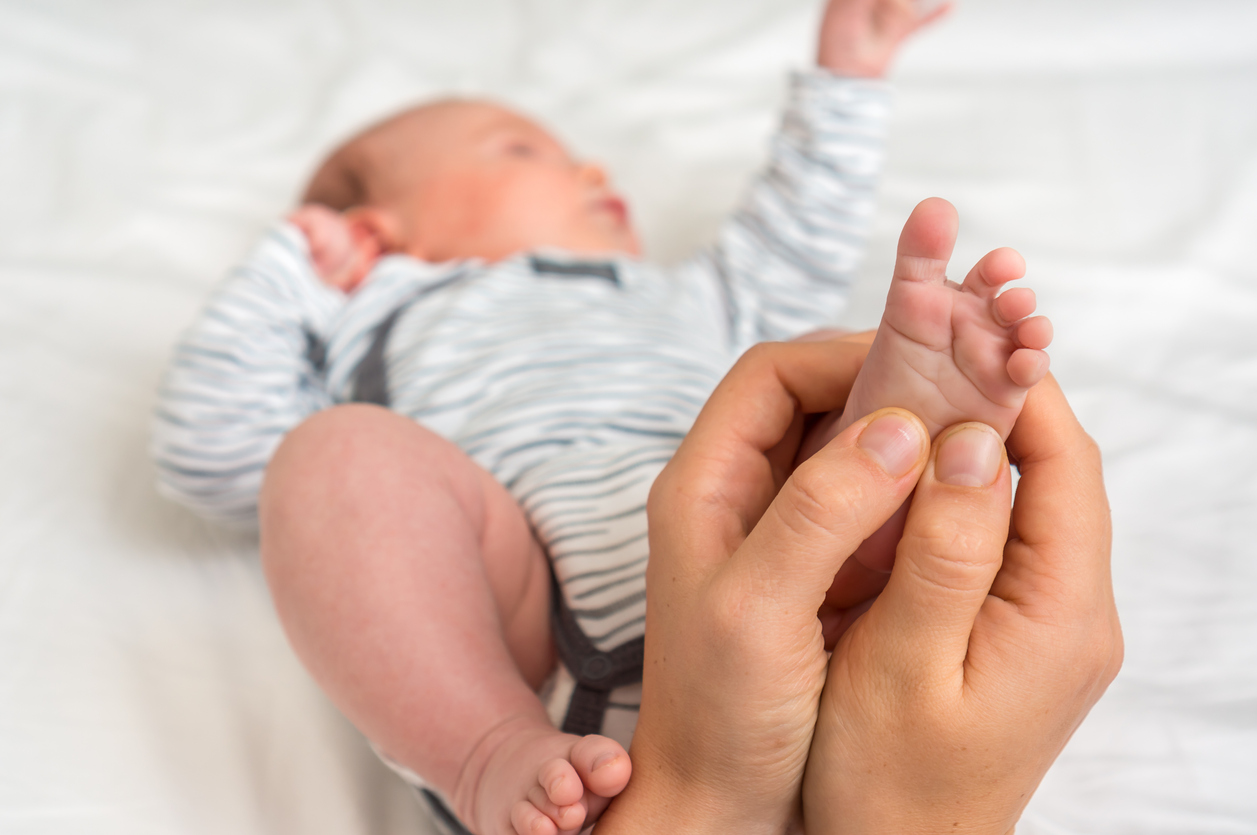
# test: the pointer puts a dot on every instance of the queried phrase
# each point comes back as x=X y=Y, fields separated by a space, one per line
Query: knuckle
x=1091 y=650
x=948 y=555
x=1118 y=654
x=1089 y=450
x=663 y=496
x=811 y=504
x=757 y=355
x=1092 y=656
x=1102 y=655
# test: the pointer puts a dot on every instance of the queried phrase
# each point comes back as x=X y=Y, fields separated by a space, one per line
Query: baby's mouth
x=615 y=207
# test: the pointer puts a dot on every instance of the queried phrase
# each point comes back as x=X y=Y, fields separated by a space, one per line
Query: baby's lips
x=614 y=206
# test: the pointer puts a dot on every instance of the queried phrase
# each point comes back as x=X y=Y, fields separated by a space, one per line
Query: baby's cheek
x=494 y=215
x=457 y=210
x=536 y=208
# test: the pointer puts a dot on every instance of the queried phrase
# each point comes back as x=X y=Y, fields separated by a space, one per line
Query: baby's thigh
x=514 y=563
x=484 y=523
x=357 y=493
x=390 y=480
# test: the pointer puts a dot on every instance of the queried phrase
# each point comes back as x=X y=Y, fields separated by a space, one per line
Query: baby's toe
x=566 y=818
x=561 y=782
x=602 y=764
x=528 y=820
x=1035 y=333
x=1027 y=366
x=1014 y=305
x=994 y=270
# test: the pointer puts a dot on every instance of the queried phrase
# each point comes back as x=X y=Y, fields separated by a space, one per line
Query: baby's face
x=481 y=181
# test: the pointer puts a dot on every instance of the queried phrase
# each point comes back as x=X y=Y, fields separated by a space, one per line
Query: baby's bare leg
x=411 y=587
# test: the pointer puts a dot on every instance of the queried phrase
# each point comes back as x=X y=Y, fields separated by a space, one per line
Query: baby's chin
x=620 y=239
x=601 y=230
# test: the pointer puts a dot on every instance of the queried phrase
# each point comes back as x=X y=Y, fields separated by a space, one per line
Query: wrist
x=845 y=68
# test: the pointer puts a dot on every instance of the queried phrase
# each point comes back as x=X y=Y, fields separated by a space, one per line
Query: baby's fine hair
x=363 y=167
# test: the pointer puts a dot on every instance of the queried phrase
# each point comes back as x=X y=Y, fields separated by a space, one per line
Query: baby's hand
x=860 y=37
x=337 y=260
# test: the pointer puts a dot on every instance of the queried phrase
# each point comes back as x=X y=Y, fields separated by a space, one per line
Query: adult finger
x=740 y=449
x=1061 y=526
x=831 y=503
x=950 y=552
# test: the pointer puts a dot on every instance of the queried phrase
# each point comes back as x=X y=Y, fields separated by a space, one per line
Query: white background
x=145 y=686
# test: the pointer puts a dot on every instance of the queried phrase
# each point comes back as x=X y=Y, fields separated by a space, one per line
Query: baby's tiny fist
x=331 y=243
x=860 y=38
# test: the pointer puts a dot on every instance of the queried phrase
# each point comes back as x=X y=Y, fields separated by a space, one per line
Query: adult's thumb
x=951 y=550
x=829 y=505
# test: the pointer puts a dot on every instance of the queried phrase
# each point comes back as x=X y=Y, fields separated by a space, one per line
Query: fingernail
x=894 y=442
x=970 y=456
x=605 y=759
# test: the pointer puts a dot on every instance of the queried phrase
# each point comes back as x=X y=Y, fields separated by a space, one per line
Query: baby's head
x=463 y=179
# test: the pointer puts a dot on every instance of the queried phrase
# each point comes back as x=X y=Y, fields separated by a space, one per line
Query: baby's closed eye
x=521 y=148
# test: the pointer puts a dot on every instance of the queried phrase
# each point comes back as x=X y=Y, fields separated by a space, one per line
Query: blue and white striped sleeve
x=786 y=259
x=246 y=372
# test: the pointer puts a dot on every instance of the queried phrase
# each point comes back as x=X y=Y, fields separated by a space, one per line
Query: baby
x=457 y=265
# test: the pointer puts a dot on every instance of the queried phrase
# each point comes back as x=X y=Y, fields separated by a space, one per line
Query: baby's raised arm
x=785 y=260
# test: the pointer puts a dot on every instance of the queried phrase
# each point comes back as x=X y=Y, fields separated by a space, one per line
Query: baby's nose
x=592 y=174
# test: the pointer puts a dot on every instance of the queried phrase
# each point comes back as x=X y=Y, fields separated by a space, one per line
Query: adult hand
x=742 y=553
x=948 y=700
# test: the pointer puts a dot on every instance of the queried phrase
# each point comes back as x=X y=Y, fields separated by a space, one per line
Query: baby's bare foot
x=539 y=781
x=952 y=352
x=949 y=352
x=946 y=352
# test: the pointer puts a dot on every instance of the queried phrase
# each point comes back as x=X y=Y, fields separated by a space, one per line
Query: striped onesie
x=572 y=380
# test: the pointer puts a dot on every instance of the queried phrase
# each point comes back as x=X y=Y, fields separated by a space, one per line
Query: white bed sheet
x=145 y=685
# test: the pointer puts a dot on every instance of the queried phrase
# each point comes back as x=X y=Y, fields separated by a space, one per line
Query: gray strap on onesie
x=597 y=673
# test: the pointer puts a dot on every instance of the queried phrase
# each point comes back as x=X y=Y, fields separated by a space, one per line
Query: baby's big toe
x=603 y=765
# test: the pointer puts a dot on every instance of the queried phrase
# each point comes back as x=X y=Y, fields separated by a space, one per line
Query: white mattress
x=145 y=685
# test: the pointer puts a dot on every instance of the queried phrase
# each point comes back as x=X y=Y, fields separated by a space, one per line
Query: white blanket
x=145 y=684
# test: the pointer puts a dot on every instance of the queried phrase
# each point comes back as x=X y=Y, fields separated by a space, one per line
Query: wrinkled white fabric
x=145 y=685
